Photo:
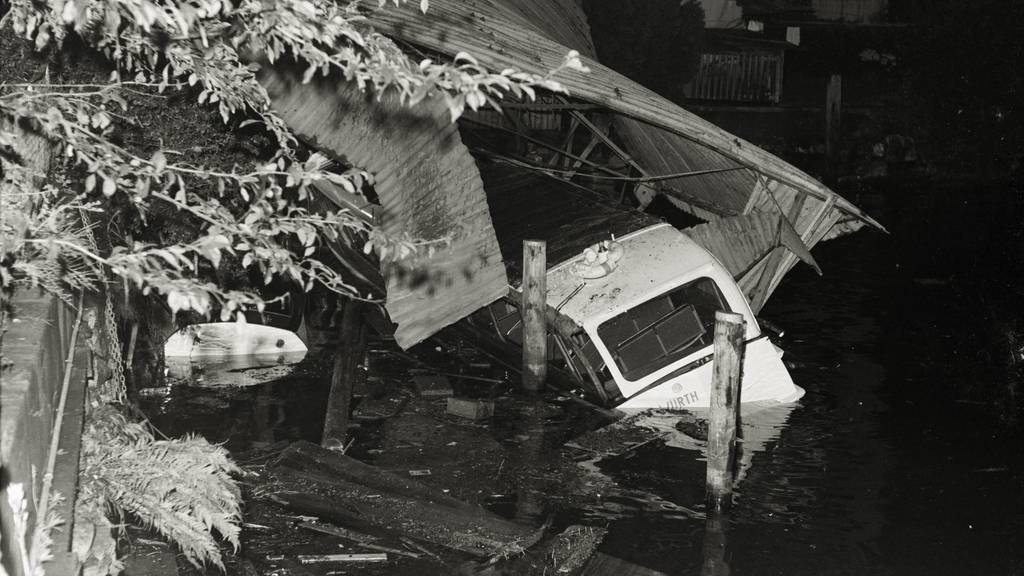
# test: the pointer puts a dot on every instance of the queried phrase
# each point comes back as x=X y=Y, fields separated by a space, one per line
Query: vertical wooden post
x=351 y=349
x=535 y=329
x=725 y=401
x=833 y=117
x=129 y=359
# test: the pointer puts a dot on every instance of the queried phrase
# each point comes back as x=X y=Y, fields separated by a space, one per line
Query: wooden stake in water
x=535 y=326
x=351 y=351
x=833 y=123
x=725 y=401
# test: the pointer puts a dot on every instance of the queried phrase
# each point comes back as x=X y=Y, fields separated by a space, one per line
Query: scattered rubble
x=470 y=409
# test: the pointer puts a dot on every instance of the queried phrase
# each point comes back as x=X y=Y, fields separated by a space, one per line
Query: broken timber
x=535 y=333
x=352 y=349
x=340 y=489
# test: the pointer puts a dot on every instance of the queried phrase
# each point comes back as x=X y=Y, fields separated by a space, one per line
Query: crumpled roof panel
x=429 y=188
x=485 y=29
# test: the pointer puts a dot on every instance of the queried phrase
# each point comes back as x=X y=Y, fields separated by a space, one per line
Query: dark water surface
x=906 y=455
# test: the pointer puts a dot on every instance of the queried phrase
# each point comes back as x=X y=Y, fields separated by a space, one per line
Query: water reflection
x=759 y=425
x=227 y=354
x=243 y=401
x=231 y=371
x=715 y=545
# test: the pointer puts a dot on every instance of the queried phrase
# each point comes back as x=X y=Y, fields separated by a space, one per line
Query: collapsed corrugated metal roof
x=662 y=138
x=762 y=213
x=429 y=189
x=527 y=205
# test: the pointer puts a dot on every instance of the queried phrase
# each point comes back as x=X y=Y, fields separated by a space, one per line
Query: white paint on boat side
x=219 y=339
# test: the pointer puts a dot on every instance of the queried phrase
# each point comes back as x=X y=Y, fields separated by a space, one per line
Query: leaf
x=159 y=161
x=308 y=74
x=466 y=57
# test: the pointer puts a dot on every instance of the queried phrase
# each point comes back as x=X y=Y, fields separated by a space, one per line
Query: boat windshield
x=663 y=329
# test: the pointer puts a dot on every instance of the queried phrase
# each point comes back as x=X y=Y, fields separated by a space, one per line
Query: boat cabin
x=633 y=319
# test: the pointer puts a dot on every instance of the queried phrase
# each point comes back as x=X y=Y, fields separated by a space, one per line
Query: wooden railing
x=754 y=77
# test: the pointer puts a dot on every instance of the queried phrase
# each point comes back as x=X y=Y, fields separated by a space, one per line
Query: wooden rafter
x=609 y=143
x=566 y=147
x=594 y=140
x=551 y=147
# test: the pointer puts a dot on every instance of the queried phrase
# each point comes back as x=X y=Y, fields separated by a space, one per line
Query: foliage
x=255 y=213
x=181 y=488
x=80 y=203
x=35 y=548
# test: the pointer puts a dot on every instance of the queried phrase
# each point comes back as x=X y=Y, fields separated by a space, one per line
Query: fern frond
x=181 y=488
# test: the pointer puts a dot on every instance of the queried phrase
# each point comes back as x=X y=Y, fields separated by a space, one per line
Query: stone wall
x=34 y=351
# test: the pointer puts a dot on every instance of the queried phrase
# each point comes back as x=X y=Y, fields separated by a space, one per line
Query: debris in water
x=333 y=530
x=470 y=409
x=312 y=480
x=432 y=385
x=317 y=558
x=573 y=547
x=696 y=428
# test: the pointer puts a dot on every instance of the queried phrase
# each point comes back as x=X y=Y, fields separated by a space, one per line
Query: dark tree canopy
x=654 y=42
x=964 y=70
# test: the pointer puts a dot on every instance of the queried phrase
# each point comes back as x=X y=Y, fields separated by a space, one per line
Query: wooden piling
x=833 y=117
x=535 y=333
x=725 y=401
x=351 y=350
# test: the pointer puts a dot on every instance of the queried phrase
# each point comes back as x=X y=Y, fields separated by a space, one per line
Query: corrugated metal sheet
x=532 y=119
x=812 y=220
x=562 y=20
x=534 y=36
x=754 y=77
x=661 y=152
x=485 y=29
x=527 y=205
x=428 y=185
x=739 y=241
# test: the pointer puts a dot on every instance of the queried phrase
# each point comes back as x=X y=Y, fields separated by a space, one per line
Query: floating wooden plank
x=307 y=456
x=320 y=558
x=350 y=504
x=428 y=185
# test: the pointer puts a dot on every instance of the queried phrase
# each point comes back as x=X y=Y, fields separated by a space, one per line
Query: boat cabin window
x=664 y=329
